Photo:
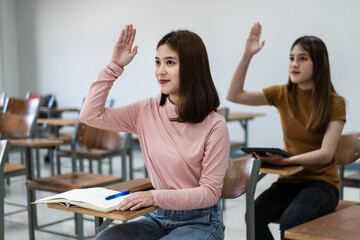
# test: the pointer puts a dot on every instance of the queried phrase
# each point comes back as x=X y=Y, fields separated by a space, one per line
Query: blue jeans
x=205 y=223
x=296 y=201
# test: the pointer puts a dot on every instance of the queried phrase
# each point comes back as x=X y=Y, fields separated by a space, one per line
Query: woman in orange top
x=312 y=117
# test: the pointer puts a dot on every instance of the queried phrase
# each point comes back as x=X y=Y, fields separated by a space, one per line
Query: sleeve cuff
x=115 y=69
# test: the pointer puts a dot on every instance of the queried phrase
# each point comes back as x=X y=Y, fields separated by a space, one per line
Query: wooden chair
x=241 y=177
x=4 y=149
x=25 y=107
x=347 y=152
x=234 y=145
x=17 y=126
x=97 y=144
x=67 y=136
x=61 y=183
x=22 y=106
x=13 y=126
x=47 y=131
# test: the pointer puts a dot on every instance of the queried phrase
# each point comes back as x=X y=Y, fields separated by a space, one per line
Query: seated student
x=184 y=142
x=312 y=118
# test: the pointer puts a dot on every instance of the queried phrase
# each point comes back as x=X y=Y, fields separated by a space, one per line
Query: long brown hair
x=198 y=95
x=323 y=90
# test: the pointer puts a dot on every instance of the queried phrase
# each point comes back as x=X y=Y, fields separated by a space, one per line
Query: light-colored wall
x=9 y=70
x=63 y=44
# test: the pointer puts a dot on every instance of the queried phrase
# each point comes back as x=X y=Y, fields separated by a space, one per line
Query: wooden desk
x=243 y=119
x=132 y=185
x=58 y=121
x=35 y=142
x=236 y=116
x=279 y=170
x=59 y=110
x=28 y=144
x=340 y=225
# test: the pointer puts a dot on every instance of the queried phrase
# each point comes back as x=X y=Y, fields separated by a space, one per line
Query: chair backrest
x=98 y=138
x=223 y=112
x=348 y=149
x=4 y=150
x=22 y=106
x=17 y=126
x=238 y=176
x=241 y=176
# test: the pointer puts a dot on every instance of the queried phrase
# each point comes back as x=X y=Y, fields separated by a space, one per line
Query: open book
x=91 y=198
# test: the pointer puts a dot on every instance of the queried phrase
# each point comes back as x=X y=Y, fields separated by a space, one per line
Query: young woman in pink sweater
x=185 y=143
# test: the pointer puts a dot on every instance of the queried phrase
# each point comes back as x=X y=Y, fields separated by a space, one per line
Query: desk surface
x=280 y=170
x=58 y=121
x=340 y=225
x=61 y=109
x=36 y=142
x=133 y=185
x=236 y=116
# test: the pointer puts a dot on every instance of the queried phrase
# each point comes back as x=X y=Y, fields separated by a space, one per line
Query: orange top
x=297 y=139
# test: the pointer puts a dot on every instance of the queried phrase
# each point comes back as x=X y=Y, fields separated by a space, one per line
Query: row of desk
x=300 y=232
x=242 y=118
x=340 y=225
x=140 y=184
x=28 y=144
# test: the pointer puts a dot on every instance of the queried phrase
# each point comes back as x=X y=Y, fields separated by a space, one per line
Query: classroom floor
x=16 y=225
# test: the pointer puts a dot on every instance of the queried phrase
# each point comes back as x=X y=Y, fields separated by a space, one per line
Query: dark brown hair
x=198 y=95
x=323 y=90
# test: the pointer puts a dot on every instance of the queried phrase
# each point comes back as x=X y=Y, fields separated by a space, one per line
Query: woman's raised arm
x=236 y=92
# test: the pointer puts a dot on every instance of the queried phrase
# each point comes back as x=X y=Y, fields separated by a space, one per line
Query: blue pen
x=117 y=195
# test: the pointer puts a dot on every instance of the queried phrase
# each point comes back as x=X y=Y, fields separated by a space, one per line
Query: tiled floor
x=16 y=225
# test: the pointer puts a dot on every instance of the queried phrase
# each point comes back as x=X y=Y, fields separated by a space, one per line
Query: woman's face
x=167 y=72
x=301 y=68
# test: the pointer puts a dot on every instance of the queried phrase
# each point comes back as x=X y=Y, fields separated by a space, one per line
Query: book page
x=87 y=196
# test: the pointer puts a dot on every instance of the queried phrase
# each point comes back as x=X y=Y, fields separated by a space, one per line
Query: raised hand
x=253 y=44
x=123 y=51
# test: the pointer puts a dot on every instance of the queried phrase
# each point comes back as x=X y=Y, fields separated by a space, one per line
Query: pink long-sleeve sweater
x=186 y=162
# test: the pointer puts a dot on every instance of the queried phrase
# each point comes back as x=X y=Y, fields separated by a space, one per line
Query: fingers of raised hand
x=127 y=34
x=128 y=30
x=132 y=36
x=255 y=30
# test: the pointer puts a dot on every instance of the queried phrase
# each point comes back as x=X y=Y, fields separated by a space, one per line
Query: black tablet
x=262 y=151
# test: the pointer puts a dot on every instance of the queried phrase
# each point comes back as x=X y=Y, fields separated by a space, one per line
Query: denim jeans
x=296 y=201
x=205 y=223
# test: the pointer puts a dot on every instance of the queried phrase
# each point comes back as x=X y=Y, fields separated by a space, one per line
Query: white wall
x=63 y=44
x=9 y=80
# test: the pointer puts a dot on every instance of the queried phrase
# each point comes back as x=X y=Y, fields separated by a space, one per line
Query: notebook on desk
x=261 y=151
x=90 y=198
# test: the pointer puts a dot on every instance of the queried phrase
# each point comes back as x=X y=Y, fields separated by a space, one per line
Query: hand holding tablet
x=262 y=151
